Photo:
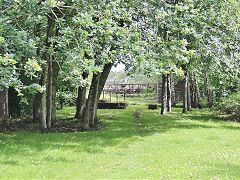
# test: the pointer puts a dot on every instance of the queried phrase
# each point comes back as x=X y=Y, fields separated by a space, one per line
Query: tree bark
x=91 y=104
x=164 y=95
x=81 y=99
x=42 y=104
x=55 y=68
x=104 y=75
x=173 y=91
x=169 y=93
x=185 y=95
x=36 y=107
x=49 y=58
x=189 y=106
x=208 y=90
x=103 y=79
x=4 y=114
x=37 y=112
x=49 y=95
x=44 y=109
x=193 y=88
x=199 y=102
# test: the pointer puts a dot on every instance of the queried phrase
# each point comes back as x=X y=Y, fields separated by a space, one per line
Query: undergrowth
x=231 y=105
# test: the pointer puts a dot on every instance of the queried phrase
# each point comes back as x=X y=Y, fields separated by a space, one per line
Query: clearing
x=197 y=144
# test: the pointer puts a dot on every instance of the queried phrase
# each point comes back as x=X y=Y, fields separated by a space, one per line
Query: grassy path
x=195 y=145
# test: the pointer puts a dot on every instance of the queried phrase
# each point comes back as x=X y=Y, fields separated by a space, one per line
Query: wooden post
x=110 y=93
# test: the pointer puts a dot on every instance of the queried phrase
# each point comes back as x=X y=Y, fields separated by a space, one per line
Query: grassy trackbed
x=196 y=145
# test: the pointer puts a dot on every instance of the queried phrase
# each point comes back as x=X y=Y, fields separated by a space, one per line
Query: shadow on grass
x=119 y=126
x=12 y=163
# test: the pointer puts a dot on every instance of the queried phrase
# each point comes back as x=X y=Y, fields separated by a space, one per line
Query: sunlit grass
x=195 y=145
x=141 y=98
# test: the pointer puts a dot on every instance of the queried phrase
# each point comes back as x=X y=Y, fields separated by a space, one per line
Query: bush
x=66 y=98
x=231 y=105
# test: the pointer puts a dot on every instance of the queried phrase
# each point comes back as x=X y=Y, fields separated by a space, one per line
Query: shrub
x=68 y=98
x=231 y=105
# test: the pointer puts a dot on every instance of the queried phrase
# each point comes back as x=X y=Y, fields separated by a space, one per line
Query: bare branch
x=54 y=14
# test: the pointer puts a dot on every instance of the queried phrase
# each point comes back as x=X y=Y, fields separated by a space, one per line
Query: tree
x=185 y=95
x=17 y=50
x=169 y=92
x=81 y=99
x=164 y=94
x=107 y=32
x=4 y=107
x=47 y=42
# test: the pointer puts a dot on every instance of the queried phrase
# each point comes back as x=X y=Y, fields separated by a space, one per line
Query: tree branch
x=5 y=10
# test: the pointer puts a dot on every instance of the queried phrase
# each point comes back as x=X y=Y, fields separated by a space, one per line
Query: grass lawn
x=196 y=145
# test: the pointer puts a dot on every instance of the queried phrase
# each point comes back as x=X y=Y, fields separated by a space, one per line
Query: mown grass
x=196 y=145
x=131 y=98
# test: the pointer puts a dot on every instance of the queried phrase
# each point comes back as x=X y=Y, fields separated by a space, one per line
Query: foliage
x=66 y=98
x=158 y=36
x=17 y=49
x=122 y=77
x=231 y=105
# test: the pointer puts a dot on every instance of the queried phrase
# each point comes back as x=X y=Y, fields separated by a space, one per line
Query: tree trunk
x=194 y=92
x=42 y=104
x=81 y=99
x=103 y=79
x=36 y=107
x=44 y=109
x=104 y=75
x=189 y=106
x=173 y=91
x=164 y=95
x=185 y=95
x=4 y=114
x=199 y=104
x=49 y=57
x=50 y=92
x=91 y=104
x=169 y=93
x=208 y=90
x=55 y=68
x=37 y=98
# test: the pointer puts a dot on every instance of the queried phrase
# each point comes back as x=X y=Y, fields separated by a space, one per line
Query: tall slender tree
x=189 y=106
x=208 y=90
x=164 y=95
x=169 y=93
x=4 y=115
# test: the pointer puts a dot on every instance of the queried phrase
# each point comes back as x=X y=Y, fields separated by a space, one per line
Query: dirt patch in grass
x=65 y=125
x=27 y=125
